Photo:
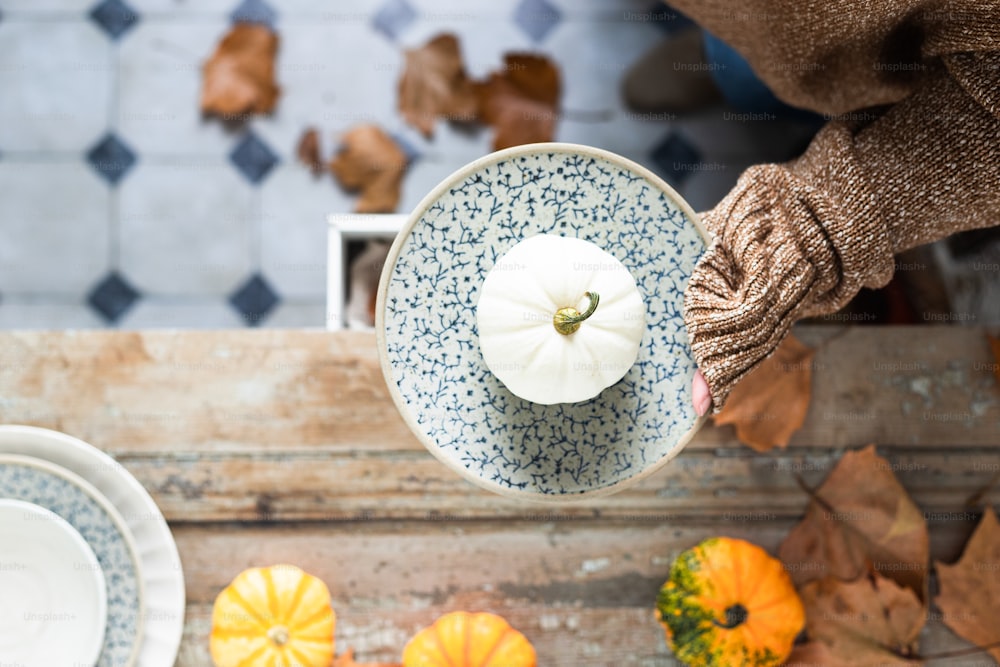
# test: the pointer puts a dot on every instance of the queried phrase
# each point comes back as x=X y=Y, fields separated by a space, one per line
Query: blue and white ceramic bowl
x=428 y=342
x=105 y=531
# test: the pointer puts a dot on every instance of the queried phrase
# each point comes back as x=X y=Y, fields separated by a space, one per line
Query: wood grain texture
x=735 y=487
x=264 y=447
x=164 y=391
x=583 y=593
x=563 y=636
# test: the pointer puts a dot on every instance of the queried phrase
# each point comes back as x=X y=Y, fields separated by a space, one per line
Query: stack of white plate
x=89 y=572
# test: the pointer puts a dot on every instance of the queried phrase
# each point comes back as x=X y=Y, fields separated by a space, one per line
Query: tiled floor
x=121 y=206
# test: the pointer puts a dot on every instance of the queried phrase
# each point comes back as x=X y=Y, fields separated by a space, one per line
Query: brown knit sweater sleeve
x=800 y=239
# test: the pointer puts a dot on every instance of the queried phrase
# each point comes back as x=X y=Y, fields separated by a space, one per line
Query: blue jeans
x=740 y=86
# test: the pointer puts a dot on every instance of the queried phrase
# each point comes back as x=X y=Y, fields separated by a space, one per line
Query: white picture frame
x=343 y=228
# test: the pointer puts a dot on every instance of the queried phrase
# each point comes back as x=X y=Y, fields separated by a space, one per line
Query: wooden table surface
x=265 y=447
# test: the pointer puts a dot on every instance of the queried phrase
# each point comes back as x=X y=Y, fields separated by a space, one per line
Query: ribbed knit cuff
x=790 y=241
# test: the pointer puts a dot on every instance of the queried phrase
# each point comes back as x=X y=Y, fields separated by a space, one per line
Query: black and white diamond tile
x=537 y=18
x=393 y=18
x=293 y=247
x=254 y=300
x=33 y=313
x=210 y=213
x=153 y=312
x=54 y=228
x=253 y=158
x=255 y=11
x=159 y=83
x=114 y=17
x=112 y=297
x=676 y=158
x=56 y=88
x=111 y=158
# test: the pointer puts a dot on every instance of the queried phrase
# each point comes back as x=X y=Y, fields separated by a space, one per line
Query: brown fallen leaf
x=346 y=659
x=239 y=77
x=770 y=404
x=308 y=151
x=860 y=520
x=521 y=101
x=370 y=161
x=977 y=498
x=995 y=346
x=434 y=85
x=362 y=283
x=814 y=654
x=868 y=622
x=970 y=588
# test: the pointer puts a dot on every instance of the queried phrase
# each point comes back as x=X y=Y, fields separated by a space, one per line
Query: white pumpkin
x=560 y=320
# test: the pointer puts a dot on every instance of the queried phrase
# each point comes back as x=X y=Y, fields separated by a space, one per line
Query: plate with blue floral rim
x=162 y=575
x=82 y=506
x=429 y=344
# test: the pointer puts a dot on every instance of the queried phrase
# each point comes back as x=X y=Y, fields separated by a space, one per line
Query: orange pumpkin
x=727 y=602
x=462 y=639
x=273 y=617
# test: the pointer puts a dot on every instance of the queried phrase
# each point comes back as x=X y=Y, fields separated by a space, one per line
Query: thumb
x=700 y=395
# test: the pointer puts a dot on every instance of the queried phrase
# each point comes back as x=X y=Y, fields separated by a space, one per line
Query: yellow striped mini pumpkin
x=275 y=616
x=463 y=639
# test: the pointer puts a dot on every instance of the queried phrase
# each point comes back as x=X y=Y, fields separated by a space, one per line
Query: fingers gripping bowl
x=551 y=446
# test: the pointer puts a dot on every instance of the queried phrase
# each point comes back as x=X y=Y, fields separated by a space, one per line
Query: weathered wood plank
x=583 y=594
x=168 y=391
x=294 y=432
x=563 y=636
x=929 y=386
x=739 y=487
x=594 y=563
x=163 y=391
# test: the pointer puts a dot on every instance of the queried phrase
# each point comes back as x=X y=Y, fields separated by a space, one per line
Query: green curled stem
x=567 y=320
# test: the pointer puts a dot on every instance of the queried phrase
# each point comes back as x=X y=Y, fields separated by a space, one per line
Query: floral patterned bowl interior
x=428 y=342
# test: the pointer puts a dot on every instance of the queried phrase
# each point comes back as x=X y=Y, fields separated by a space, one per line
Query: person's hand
x=700 y=395
x=750 y=284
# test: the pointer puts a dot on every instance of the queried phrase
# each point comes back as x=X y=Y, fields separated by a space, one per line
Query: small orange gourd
x=727 y=602
x=274 y=616
x=463 y=639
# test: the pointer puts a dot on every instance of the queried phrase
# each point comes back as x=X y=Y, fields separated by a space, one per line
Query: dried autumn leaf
x=308 y=151
x=239 y=77
x=370 y=161
x=868 y=622
x=770 y=404
x=434 y=84
x=970 y=589
x=995 y=346
x=860 y=520
x=521 y=101
x=346 y=659
x=977 y=498
x=812 y=654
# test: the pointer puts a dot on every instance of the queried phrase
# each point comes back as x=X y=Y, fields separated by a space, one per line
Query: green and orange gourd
x=727 y=603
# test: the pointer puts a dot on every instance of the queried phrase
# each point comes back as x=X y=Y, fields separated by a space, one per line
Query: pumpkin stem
x=567 y=320
x=736 y=615
x=278 y=634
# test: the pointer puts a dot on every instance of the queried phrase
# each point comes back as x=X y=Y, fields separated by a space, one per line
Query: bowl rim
x=403 y=408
